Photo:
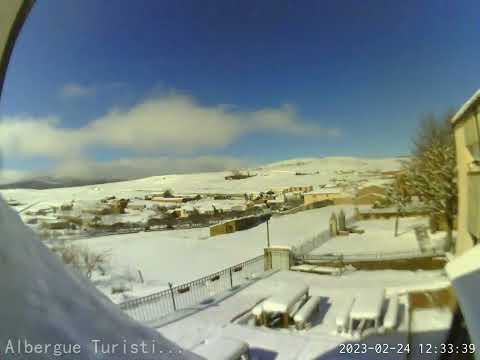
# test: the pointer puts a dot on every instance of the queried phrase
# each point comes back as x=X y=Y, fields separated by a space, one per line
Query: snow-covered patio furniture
x=343 y=316
x=303 y=315
x=223 y=349
x=391 y=316
x=283 y=303
x=366 y=309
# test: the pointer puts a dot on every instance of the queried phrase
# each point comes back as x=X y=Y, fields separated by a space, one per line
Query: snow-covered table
x=367 y=306
x=283 y=302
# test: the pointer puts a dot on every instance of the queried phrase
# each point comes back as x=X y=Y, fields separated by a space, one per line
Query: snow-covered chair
x=343 y=316
x=303 y=315
x=391 y=316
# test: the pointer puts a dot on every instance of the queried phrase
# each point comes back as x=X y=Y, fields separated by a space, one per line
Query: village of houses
x=317 y=233
x=166 y=209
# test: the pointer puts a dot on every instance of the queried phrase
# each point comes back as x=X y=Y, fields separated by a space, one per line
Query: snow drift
x=42 y=303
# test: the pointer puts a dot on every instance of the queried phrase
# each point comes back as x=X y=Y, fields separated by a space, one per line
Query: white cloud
x=128 y=168
x=27 y=137
x=173 y=124
x=76 y=90
x=137 y=167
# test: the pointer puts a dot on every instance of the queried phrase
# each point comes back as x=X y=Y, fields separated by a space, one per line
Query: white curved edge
x=464 y=264
x=464 y=274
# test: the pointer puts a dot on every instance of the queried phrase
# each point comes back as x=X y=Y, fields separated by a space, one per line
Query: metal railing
x=155 y=306
x=372 y=256
x=309 y=245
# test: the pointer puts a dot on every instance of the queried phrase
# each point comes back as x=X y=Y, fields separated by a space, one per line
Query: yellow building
x=369 y=195
x=337 y=195
x=238 y=224
x=466 y=123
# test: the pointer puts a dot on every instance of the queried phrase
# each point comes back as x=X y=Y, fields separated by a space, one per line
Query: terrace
x=311 y=328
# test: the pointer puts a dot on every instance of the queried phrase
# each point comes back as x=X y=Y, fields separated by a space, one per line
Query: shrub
x=168 y=194
x=81 y=258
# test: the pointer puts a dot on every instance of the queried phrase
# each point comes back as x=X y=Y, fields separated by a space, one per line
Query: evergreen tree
x=431 y=171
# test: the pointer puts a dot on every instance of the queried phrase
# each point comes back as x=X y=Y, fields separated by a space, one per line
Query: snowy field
x=321 y=340
x=379 y=237
x=180 y=256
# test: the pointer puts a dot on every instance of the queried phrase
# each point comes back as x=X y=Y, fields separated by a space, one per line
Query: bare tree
x=431 y=171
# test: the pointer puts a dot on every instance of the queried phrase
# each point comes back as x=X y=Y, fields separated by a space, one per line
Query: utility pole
x=268 y=235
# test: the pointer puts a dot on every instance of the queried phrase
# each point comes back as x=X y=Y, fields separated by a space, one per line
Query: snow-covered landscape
x=238 y=181
x=347 y=171
x=182 y=255
x=141 y=263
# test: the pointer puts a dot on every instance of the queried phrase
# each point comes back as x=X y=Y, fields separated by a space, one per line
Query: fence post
x=231 y=278
x=173 y=296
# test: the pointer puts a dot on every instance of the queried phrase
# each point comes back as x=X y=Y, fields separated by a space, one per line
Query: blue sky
x=271 y=79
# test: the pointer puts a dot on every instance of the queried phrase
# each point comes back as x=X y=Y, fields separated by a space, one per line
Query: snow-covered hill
x=294 y=172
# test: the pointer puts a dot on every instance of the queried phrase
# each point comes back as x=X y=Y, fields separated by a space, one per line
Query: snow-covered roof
x=464 y=108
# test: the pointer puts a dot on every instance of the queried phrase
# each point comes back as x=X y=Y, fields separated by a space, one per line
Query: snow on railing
x=200 y=291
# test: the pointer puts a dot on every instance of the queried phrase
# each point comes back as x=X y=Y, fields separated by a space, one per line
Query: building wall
x=278 y=258
x=311 y=198
x=223 y=228
x=464 y=240
x=238 y=224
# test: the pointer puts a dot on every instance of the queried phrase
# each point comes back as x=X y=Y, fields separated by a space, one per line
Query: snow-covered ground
x=379 y=237
x=180 y=256
x=321 y=341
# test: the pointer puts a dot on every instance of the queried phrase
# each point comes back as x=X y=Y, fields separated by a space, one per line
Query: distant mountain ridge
x=43 y=183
